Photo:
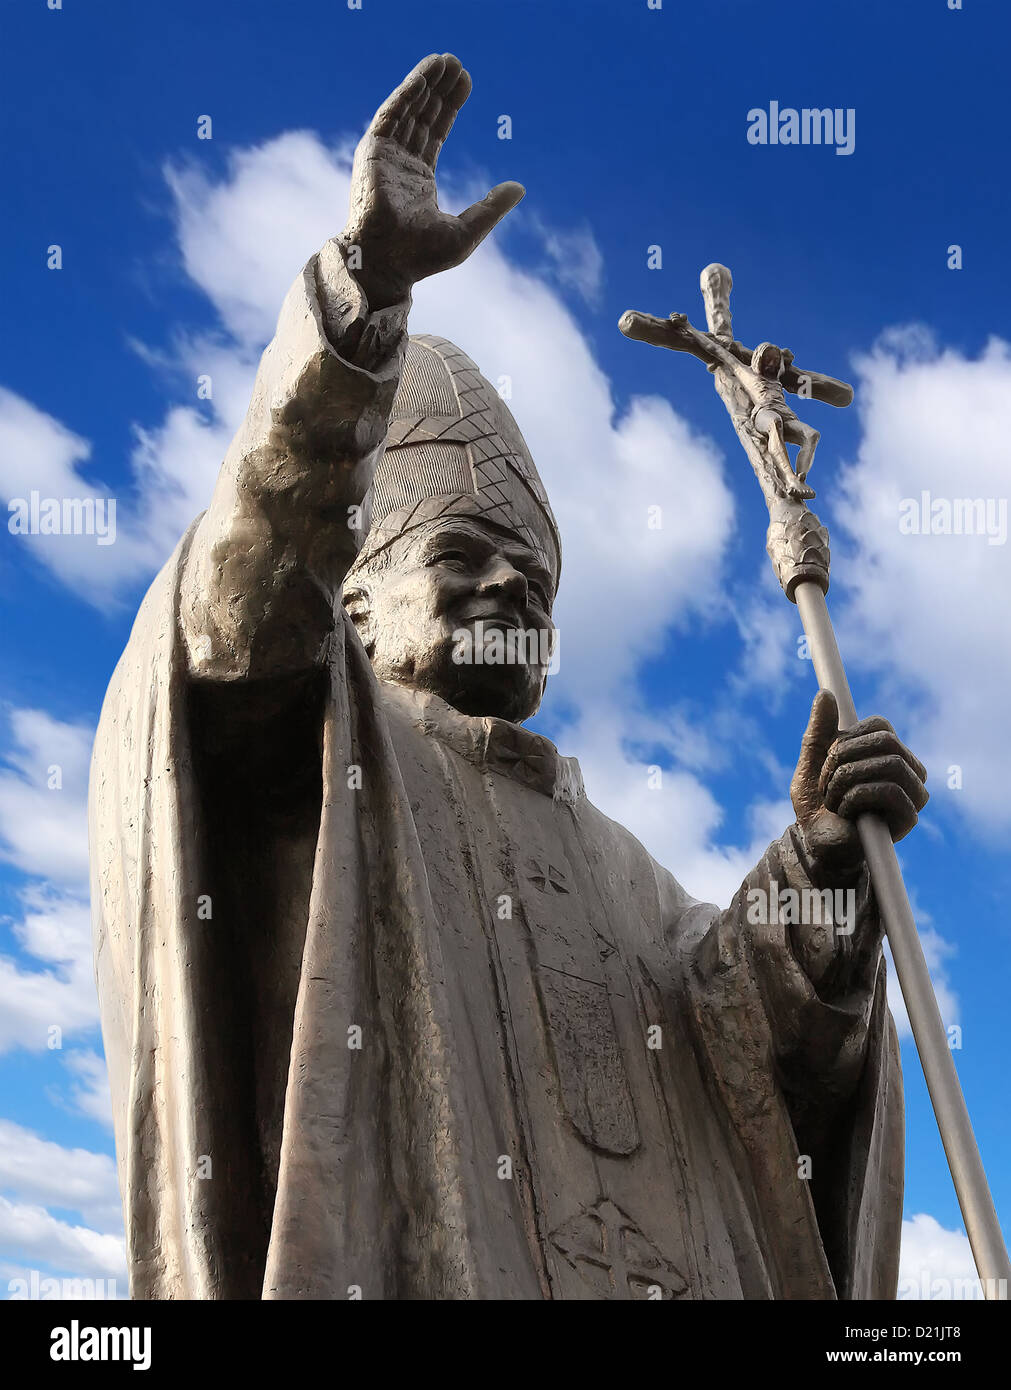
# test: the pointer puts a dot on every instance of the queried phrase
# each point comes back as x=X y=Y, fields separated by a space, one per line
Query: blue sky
x=629 y=131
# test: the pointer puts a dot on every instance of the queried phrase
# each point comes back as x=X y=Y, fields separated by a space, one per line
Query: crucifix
x=751 y=384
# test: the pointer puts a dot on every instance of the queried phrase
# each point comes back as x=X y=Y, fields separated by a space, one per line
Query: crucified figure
x=771 y=417
x=752 y=384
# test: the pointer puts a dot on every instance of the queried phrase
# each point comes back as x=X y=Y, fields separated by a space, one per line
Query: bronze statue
x=391 y=1010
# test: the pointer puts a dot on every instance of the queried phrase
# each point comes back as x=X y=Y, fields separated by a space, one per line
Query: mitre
x=454 y=449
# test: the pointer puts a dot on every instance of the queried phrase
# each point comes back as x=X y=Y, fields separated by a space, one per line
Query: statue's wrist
x=370 y=267
x=829 y=865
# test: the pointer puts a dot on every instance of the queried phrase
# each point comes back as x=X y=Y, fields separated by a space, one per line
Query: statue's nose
x=501 y=577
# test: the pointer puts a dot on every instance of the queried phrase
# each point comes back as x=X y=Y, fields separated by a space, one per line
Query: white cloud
x=43 y=797
x=36 y=1175
x=35 y=1170
x=173 y=468
x=31 y=1233
x=926 y=611
x=176 y=463
x=39 y=454
x=244 y=238
x=36 y=451
x=935 y=1263
x=56 y=929
x=44 y=833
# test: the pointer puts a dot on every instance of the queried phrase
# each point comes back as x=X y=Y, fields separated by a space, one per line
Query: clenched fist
x=840 y=776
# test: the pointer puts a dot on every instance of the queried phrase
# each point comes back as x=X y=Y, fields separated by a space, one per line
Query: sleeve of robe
x=219 y=1201
x=800 y=1046
x=269 y=555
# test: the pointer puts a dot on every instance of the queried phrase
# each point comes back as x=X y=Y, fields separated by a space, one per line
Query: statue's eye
x=538 y=594
x=454 y=559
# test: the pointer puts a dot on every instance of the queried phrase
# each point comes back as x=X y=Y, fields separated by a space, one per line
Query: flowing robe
x=390 y=1009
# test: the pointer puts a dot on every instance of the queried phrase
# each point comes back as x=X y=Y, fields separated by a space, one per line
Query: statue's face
x=772 y=360
x=462 y=610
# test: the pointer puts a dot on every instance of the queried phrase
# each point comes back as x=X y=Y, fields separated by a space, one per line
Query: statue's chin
x=503 y=692
x=498 y=696
x=499 y=690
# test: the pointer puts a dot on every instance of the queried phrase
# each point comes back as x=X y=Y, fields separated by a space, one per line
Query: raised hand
x=394 y=215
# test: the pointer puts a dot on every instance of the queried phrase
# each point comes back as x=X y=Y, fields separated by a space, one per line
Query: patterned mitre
x=454 y=449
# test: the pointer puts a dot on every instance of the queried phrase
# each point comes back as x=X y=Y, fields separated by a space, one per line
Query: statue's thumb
x=822 y=731
x=480 y=218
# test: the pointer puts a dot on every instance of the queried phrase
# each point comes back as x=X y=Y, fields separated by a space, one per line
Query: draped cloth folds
x=352 y=1203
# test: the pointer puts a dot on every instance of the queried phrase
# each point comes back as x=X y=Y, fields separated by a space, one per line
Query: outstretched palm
x=394 y=215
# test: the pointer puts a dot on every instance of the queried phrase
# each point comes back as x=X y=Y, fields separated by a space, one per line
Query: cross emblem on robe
x=546 y=876
x=610 y=1253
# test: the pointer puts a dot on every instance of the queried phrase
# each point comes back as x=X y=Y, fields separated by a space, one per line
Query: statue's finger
x=847 y=749
x=911 y=759
x=891 y=768
x=874 y=724
x=389 y=115
x=821 y=731
x=883 y=799
x=402 y=134
x=878 y=751
x=913 y=762
x=452 y=100
x=853 y=746
x=402 y=98
x=404 y=131
x=479 y=219
x=441 y=93
x=426 y=116
x=450 y=74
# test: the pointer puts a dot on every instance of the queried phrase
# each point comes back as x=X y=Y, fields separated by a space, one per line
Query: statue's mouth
x=506 y=621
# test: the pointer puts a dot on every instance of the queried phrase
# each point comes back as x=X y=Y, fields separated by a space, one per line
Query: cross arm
x=677 y=334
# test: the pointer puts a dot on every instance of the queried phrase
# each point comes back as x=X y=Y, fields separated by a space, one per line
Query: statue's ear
x=357 y=600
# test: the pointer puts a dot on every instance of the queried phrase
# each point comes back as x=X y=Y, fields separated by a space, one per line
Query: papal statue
x=391 y=1010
